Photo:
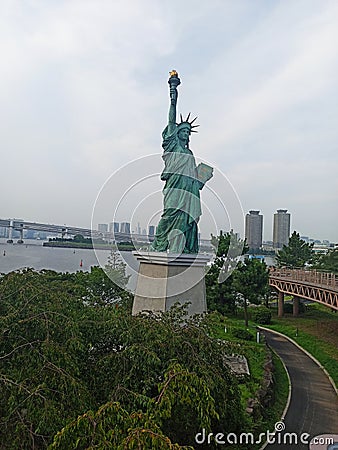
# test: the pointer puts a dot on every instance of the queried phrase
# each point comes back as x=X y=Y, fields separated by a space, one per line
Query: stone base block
x=165 y=278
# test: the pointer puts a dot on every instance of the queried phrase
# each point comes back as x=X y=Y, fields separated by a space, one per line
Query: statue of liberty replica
x=173 y=270
x=177 y=231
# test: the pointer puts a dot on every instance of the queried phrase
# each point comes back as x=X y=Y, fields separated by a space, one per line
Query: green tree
x=250 y=280
x=112 y=426
x=63 y=353
x=328 y=262
x=220 y=293
x=42 y=351
x=130 y=361
x=80 y=238
x=116 y=269
x=108 y=285
x=296 y=254
x=262 y=315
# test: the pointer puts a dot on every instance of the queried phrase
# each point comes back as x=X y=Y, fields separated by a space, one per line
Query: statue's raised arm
x=173 y=81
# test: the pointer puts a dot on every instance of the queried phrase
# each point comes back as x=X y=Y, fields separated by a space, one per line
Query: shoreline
x=85 y=246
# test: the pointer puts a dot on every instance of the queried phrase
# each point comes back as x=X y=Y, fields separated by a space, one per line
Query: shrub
x=261 y=315
x=241 y=333
x=65 y=350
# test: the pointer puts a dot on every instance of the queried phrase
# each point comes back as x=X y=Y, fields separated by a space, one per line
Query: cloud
x=84 y=91
x=273 y=71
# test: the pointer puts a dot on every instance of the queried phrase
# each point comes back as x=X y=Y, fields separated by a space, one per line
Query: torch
x=173 y=81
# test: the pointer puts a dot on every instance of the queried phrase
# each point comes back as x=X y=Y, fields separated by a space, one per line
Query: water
x=33 y=254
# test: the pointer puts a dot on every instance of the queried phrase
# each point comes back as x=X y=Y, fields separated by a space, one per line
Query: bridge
x=63 y=230
x=320 y=287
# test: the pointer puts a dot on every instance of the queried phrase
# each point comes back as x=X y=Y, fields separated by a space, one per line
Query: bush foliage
x=74 y=363
x=261 y=315
x=241 y=333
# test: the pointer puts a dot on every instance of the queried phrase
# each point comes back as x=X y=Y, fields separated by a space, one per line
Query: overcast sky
x=83 y=92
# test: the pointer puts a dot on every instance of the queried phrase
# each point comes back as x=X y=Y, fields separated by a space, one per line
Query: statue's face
x=184 y=134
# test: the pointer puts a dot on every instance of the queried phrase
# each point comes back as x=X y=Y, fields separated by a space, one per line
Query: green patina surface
x=177 y=231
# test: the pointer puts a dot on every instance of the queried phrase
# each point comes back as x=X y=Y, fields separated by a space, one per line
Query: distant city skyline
x=266 y=236
x=115 y=227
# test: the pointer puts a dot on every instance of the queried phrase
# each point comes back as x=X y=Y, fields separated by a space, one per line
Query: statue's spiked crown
x=186 y=124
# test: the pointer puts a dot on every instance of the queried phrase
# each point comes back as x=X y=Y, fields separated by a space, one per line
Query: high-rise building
x=151 y=230
x=114 y=227
x=281 y=228
x=102 y=227
x=254 y=230
x=125 y=227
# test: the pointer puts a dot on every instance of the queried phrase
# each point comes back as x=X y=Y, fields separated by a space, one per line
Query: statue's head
x=185 y=124
x=183 y=133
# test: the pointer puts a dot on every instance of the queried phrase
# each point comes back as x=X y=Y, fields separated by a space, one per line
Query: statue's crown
x=186 y=123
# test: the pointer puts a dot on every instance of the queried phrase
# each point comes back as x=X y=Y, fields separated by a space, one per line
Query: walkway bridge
x=67 y=231
x=320 y=287
x=62 y=230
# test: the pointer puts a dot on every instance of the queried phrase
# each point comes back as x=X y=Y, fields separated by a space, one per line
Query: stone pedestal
x=166 y=278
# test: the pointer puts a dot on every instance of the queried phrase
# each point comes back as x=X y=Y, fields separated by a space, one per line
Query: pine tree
x=296 y=254
x=220 y=293
x=250 y=281
x=328 y=262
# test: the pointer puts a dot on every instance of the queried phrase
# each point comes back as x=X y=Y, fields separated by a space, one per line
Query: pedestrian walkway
x=314 y=403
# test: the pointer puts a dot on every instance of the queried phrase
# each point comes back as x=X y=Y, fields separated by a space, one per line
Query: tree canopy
x=328 y=262
x=250 y=281
x=71 y=357
x=232 y=280
x=221 y=295
x=296 y=254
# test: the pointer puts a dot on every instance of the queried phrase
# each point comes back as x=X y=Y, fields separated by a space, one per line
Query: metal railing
x=312 y=277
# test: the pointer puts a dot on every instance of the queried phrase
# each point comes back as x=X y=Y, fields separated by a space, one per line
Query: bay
x=32 y=254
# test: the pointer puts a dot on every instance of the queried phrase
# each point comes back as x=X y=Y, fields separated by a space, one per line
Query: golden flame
x=173 y=73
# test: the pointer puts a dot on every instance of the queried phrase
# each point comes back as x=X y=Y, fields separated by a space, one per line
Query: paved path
x=314 y=402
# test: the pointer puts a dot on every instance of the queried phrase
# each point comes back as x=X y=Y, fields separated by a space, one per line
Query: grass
x=256 y=354
x=316 y=331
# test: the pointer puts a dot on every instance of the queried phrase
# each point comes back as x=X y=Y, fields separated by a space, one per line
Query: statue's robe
x=177 y=230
